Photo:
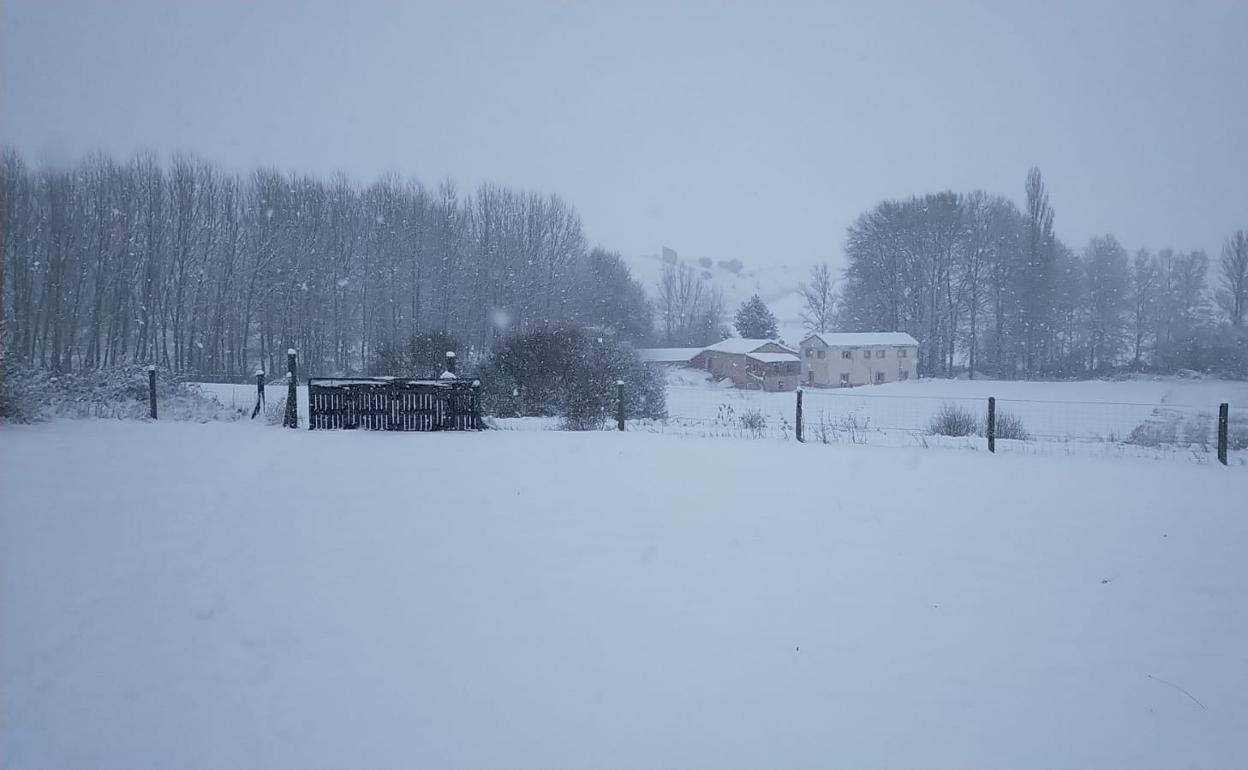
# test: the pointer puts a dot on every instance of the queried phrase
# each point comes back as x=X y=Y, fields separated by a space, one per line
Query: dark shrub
x=569 y=373
x=1009 y=425
x=954 y=420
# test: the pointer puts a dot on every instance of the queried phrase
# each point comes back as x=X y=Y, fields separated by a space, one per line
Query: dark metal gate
x=392 y=404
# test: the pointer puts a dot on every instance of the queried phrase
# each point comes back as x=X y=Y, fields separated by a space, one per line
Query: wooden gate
x=392 y=404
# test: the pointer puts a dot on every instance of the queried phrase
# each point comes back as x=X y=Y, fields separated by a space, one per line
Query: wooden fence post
x=1224 y=420
x=798 y=431
x=259 y=393
x=476 y=405
x=619 y=404
x=991 y=429
x=151 y=390
x=291 y=418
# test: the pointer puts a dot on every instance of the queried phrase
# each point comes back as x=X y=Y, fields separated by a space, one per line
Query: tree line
x=988 y=287
x=187 y=265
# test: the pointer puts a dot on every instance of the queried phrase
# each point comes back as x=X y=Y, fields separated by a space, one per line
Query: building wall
x=732 y=365
x=773 y=376
x=720 y=365
x=897 y=363
x=786 y=382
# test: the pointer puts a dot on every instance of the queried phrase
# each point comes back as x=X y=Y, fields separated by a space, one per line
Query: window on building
x=844 y=379
x=866 y=354
x=879 y=377
x=902 y=353
x=810 y=353
x=879 y=354
x=847 y=354
x=821 y=354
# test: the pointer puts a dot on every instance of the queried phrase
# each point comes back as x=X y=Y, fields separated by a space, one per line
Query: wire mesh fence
x=860 y=417
x=1031 y=426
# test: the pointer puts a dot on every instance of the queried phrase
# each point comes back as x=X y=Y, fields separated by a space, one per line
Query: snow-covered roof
x=863 y=339
x=667 y=355
x=339 y=382
x=741 y=345
x=774 y=358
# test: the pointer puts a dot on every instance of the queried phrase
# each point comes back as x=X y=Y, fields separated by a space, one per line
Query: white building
x=844 y=359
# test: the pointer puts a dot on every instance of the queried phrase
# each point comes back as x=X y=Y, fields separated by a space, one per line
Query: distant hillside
x=776 y=284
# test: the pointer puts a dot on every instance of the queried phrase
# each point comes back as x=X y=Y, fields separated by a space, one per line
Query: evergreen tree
x=755 y=321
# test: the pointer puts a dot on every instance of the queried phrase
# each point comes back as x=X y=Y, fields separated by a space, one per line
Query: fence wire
x=1033 y=426
x=857 y=416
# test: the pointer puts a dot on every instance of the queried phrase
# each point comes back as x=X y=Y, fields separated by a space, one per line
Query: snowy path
x=233 y=595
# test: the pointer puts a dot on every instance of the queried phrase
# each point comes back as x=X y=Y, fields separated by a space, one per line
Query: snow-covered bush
x=572 y=374
x=21 y=391
x=753 y=422
x=1010 y=425
x=1198 y=429
x=1156 y=432
x=954 y=420
x=1237 y=432
x=116 y=393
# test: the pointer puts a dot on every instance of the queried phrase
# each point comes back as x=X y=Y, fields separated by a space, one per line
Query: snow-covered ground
x=237 y=595
x=1146 y=417
x=1086 y=416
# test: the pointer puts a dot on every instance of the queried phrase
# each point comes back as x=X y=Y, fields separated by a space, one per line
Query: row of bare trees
x=986 y=286
x=201 y=270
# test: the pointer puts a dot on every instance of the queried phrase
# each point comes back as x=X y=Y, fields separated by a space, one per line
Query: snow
x=741 y=345
x=234 y=595
x=667 y=355
x=864 y=339
x=774 y=358
x=1062 y=417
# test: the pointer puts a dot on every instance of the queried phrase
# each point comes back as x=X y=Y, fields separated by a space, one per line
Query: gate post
x=619 y=404
x=291 y=418
x=991 y=428
x=151 y=390
x=798 y=431
x=1224 y=419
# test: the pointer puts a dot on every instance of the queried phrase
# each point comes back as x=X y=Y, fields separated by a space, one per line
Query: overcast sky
x=748 y=130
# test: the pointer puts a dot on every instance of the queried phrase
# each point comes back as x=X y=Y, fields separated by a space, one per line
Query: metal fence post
x=619 y=404
x=291 y=418
x=798 y=429
x=1224 y=419
x=992 y=424
x=151 y=390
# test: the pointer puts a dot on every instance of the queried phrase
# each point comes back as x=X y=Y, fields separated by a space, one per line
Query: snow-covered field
x=237 y=595
x=1096 y=416
x=1145 y=417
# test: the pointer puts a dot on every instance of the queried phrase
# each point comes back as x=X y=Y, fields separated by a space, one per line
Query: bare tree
x=1106 y=300
x=1234 y=264
x=1037 y=274
x=819 y=299
x=1143 y=286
